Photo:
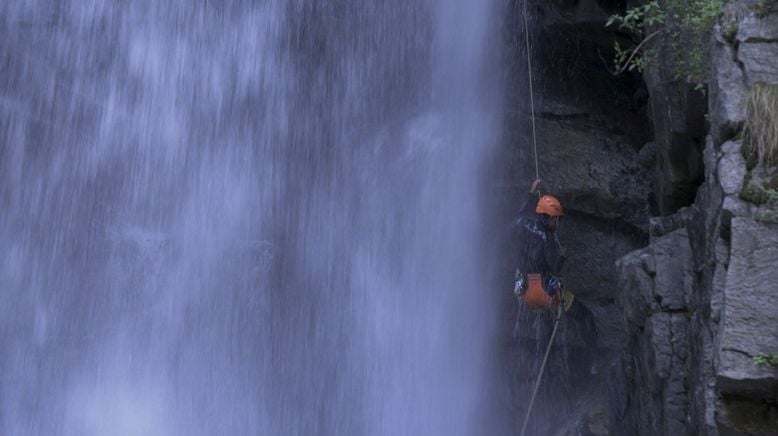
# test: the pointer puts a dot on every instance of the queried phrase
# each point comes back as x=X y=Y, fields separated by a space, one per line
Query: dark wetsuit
x=538 y=248
x=539 y=253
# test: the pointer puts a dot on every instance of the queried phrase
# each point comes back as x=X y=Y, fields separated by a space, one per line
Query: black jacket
x=538 y=248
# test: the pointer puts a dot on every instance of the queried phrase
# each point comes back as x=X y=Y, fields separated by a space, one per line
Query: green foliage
x=760 y=132
x=730 y=31
x=686 y=25
x=638 y=18
x=758 y=194
x=635 y=21
x=695 y=20
x=766 y=360
x=753 y=193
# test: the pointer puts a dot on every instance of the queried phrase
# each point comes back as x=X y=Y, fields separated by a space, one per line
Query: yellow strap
x=568 y=298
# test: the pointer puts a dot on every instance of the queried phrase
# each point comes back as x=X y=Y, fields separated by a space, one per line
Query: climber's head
x=550 y=211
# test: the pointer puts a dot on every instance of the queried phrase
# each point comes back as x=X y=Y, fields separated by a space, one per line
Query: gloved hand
x=535 y=186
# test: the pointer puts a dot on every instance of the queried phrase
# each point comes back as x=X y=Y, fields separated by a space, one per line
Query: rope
x=531 y=94
x=537 y=176
x=542 y=368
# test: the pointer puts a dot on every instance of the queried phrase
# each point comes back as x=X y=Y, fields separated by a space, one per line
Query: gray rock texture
x=726 y=88
x=636 y=165
x=592 y=154
x=701 y=301
x=750 y=315
x=757 y=44
x=656 y=287
x=760 y=62
x=754 y=27
x=677 y=114
x=592 y=132
x=731 y=168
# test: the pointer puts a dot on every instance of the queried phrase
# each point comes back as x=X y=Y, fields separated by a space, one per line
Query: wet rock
x=673 y=377
x=595 y=172
x=706 y=307
x=727 y=89
x=759 y=62
x=656 y=278
x=662 y=225
x=731 y=168
x=647 y=155
x=656 y=284
x=657 y=359
x=750 y=318
x=591 y=131
x=755 y=28
x=734 y=206
x=739 y=416
x=588 y=11
x=757 y=51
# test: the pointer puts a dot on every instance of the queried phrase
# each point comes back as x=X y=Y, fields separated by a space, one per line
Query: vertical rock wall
x=591 y=130
x=701 y=301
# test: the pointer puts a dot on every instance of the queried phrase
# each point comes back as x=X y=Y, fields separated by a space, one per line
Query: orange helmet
x=549 y=205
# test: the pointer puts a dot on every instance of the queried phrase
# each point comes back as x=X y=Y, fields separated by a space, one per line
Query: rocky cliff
x=592 y=154
x=700 y=301
x=672 y=226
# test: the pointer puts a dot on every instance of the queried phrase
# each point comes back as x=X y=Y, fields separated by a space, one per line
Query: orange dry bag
x=536 y=297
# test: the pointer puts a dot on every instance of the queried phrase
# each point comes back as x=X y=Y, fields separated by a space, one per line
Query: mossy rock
x=753 y=193
x=752 y=159
x=771 y=184
x=772 y=196
x=767 y=216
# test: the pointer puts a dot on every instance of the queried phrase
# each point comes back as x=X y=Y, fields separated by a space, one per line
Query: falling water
x=241 y=218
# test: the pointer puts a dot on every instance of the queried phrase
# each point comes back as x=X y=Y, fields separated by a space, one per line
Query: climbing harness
x=531 y=94
x=542 y=368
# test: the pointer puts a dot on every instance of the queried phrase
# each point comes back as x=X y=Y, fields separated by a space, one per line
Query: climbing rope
x=531 y=94
x=542 y=368
x=537 y=176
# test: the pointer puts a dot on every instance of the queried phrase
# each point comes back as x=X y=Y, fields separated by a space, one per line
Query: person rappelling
x=539 y=284
x=540 y=256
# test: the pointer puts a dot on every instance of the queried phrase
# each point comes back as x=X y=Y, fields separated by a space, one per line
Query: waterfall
x=245 y=217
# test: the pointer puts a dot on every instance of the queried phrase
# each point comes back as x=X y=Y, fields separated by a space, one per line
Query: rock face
x=750 y=322
x=656 y=285
x=701 y=301
x=590 y=128
x=592 y=154
x=688 y=298
x=757 y=50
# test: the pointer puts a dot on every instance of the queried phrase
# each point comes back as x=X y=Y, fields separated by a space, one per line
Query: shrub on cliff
x=760 y=132
x=766 y=360
x=685 y=25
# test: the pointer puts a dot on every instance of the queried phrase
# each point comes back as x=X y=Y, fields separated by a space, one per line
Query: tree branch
x=636 y=49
